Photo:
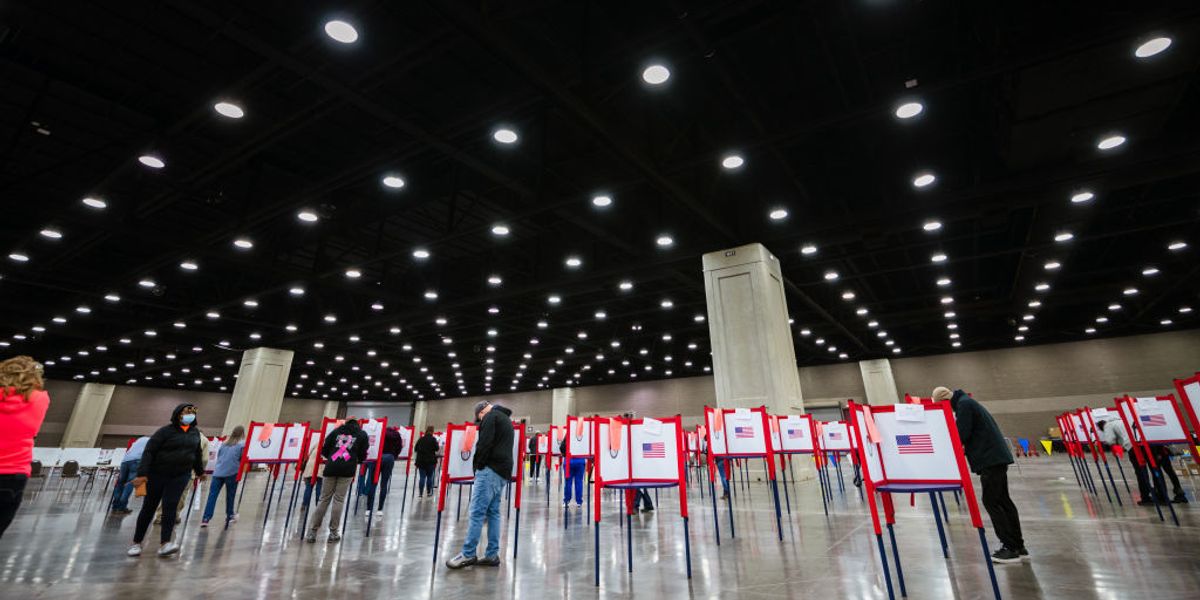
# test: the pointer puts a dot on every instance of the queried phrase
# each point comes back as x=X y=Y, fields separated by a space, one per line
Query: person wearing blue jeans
x=425 y=453
x=642 y=497
x=576 y=470
x=308 y=489
x=129 y=467
x=224 y=476
x=721 y=463
x=493 y=457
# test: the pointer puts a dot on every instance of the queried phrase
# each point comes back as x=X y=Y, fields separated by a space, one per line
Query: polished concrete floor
x=62 y=545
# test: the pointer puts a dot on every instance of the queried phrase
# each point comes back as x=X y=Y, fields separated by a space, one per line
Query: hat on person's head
x=479 y=407
x=941 y=393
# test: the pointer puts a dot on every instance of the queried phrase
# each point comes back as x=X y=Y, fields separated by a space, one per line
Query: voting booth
x=792 y=435
x=912 y=448
x=1071 y=439
x=1154 y=421
x=458 y=468
x=1087 y=418
x=279 y=446
x=739 y=434
x=1189 y=399
x=633 y=454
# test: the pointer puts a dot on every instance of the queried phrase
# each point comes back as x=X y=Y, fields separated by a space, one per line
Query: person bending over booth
x=425 y=453
x=493 y=465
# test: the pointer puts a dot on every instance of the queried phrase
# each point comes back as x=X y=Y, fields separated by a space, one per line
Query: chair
x=70 y=470
x=35 y=469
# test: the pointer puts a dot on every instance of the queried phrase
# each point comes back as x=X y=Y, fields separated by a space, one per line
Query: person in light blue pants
x=224 y=475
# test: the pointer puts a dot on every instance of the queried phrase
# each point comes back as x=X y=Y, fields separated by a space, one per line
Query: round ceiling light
x=923 y=180
x=505 y=136
x=151 y=161
x=229 y=109
x=1111 y=141
x=602 y=201
x=656 y=74
x=393 y=181
x=341 y=31
x=778 y=214
x=733 y=161
x=909 y=110
x=1152 y=46
x=96 y=203
x=1082 y=196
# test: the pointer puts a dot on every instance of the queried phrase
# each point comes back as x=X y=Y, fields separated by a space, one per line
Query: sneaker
x=134 y=550
x=1024 y=554
x=723 y=497
x=168 y=549
x=493 y=561
x=1180 y=499
x=646 y=510
x=459 y=561
x=311 y=538
x=233 y=519
x=121 y=511
x=368 y=514
x=379 y=513
x=333 y=538
x=203 y=524
x=1005 y=556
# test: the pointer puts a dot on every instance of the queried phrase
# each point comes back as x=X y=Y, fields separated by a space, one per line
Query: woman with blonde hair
x=23 y=404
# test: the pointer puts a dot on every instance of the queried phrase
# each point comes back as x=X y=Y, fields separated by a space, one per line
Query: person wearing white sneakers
x=171 y=455
x=224 y=475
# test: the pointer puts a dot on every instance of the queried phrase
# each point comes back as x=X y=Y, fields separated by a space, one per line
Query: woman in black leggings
x=171 y=453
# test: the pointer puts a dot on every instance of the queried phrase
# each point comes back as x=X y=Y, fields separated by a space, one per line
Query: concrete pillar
x=83 y=429
x=562 y=404
x=754 y=361
x=332 y=409
x=261 y=382
x=879 y=382
x=420 y=415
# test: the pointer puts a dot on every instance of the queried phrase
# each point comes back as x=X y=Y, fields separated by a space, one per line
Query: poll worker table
x=633 y=454
x=910 y=448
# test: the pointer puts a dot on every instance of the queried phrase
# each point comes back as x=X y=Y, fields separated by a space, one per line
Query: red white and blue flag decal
x=835 y=435
x=795 y=434
x=743 y=432
x=917 y=443
x=1154 y=420
x=654 y=450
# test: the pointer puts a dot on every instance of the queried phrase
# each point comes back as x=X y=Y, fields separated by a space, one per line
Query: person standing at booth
x=224 y=475
x=535 y=459
x=172 y=455
x=343 y=450
x=23 y=405
x=129 y=466
x=573 y=479
x=393 y=446
x=989 y=455
x=425 y=453
x=493 y=463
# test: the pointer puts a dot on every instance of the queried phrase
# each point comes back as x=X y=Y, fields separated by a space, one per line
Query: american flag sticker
x=795 y=434
x=835 y=435
x=1154 y=420
x=919 y=443
x=743 y=432
x=654 y=450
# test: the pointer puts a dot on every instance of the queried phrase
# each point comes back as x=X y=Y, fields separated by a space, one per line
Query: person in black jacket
x=393 y=446
x=343 y=450
x=535 y=459
x=171 y=456
x=425 y=453
x=493 y=464
x=989 y=455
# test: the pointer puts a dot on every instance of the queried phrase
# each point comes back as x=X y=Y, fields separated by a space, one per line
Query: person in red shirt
x=23 y=404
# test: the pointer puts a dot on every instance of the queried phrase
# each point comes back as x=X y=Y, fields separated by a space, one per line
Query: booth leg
x=507 y=500
x=896 y=556
x=516 y=533
x=841 y=478
x=304 y=519
x=937 y=517
x=404 y=495
x=1100 y=476
x=291 y=504
x=860 y=485
x=824 y=489
x=596 y=551
x=729 y=505
x=1113 y=481
x=270 y=498
x=712 y=493
x=1075 y=470
x=286 y=468
x=987 y=559
x=887 y=576
x=437 y=534
x=458 y=506
x=1161 y=494
x=945 y=510
x=1124 y=480
x=687 y=547
x=242 y=494
x=956 y=504
x=188 y=516
x=587 y=491
x=629 y=537
x=786 y=496
x=778 y=509
x=266 y=489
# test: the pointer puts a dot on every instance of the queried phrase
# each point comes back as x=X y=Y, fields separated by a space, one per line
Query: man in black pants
x=535 y=459
x=989 y=455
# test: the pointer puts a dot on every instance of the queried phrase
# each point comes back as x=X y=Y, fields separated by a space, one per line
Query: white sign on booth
x=543 y=444
x=1158 y=419
x=1080 y=431
x=374 y=431
x=579 y=437
x=86 y=457
x=795 y=434
x=293 y=442
x=874 y=468
x=1191 y=395
x=714 y=424
x=655 y=450
x=263 y=443
x=835 y=435
x=613 y=458
x=916 y=451
x=461 y=463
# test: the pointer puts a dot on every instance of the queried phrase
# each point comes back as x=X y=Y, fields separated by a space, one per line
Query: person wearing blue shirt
x=224 y=475
x=129 y=466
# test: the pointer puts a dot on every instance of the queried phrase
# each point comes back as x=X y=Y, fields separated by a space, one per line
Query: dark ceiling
x=1016 y=97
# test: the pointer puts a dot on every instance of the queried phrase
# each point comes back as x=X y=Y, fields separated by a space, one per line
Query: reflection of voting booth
x=639 y=453
x=910 y=448
x=1154 y=421
x=273 y=444
x=739 y=433
x=458 y=468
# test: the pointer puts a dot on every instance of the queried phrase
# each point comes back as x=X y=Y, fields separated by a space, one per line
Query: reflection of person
x=23 y=405
x=171 y=456
x=493 y=465
x=129 y=466
x=224 y=475
x=343 y=450
x=426 y=453
x=989 y=455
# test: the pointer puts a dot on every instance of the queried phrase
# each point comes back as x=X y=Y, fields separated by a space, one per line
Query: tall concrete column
x=562 y=404
x=331 y=410
x=261 y=383
x=878 y=381
x=83 y=429
x=754 y=361
x=420 y=415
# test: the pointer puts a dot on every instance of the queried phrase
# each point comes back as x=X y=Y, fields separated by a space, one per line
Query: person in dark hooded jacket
x=171 y=456
x=343 y=450
x=493 y=469
x=989 y=455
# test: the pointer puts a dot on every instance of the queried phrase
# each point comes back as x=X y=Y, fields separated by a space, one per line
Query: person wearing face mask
x=171 y=456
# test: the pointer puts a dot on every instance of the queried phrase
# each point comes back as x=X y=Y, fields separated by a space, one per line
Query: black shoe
x=493 y=561
x=646 y=510
x=1145 y=502
x=1024 y=554
x=1005 y=556
x=1180 y=499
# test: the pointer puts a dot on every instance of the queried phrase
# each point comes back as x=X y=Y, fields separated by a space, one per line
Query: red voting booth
x=792 y=435
x=1154 y=421
x=1189 y=397
x=1087 y=418
x=458 y=468
x=910 y=448
x=639 y=453
x=735 y=434
x=835 y=441
x=273 y=444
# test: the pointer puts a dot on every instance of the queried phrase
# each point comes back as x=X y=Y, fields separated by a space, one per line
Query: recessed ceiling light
x=330 y=318
x=150 y=333
x=393 y=181
x=51 y=233
x=189 y=265
x=307 y=216
x=931 y=225
x=505 y=136
x=152 y=161
x=377 y=306
x=421 y=253
x=909 y=110
x=656 y=74
x=229 y=109
x=147 y=283
x=243 y=243
x=1035 y=303
x=1019 y=338
x=956 y=344
x=666 y=304
x=943 y=281
x=250 y=303
x=938 y=258
x=947 y=300
x=1111 y=141
x=1165 y=322
x=341 y=31
x=831 y=275
x=625 y=286
x=493 y=310
x=179 y=325
x=848 y=295
x=1101 y=319
x=1023 y=328
x=1185 y=309
x=495 y=280
x=949 y=314
x=431 y=295
x=212 y=314
x=921 y=180
x=18 y=257
x=542 y=324
x=1130 y=291
x=353 y=273
x=1152 y=46
x=1052 y=265
x=1064 y=236
x=808 y=249
x=1114 y=307
x=554 y=299
x=1028 y=317
x=699 y=318
x=1082 y=196
x=861 y=311
x=664 y=240
x=778 y=214
x=1177 y=245
x=112 y=297
x=602 y=201
x=732 y=161
x=63 y=320
x=92 y=202
x=1150 y=271
x=500 y=229
x=1090 y=330
x=871 y=324
x=1042 y=287
x=296 y=291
